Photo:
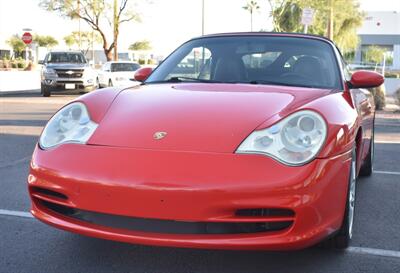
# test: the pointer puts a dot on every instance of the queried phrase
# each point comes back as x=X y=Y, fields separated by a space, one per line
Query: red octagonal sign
x=27 y=38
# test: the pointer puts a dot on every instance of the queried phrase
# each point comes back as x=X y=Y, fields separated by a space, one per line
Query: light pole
x=79 y=24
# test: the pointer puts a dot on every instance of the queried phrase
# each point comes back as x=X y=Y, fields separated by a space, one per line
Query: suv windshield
x=66 y=57
x=291 y=61
x=116 y=67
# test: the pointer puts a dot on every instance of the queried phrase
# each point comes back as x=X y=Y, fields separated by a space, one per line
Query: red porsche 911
x=235 y=141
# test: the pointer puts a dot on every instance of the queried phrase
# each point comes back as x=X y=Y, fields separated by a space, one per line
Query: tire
x=342 y=239
x=368 y=166
x=110 y=83
x=45 y=91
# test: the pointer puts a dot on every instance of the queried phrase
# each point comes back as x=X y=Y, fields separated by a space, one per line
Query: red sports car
x=235 y=141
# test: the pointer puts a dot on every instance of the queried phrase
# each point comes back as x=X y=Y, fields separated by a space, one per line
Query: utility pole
x=116 y=22
x=79 y=24
x=251 y=20
x=202 y=17
x=93 y=60
x=330 y=20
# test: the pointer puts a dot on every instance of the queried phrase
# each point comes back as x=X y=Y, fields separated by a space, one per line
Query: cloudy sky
x=165 y=23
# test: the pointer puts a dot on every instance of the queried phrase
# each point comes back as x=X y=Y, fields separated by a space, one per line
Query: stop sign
x=27 y=38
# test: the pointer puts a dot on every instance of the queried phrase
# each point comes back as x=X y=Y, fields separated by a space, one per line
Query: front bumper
x=187 y=189
x=60 y=84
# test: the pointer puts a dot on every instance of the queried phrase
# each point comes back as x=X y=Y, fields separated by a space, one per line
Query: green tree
x=45 y=40
x=85 y=39
x=96 y=13
x=17 y=45
x=345 y=15
x=285 y=16
x=374 y=54
x=140 y=45
x=251 y=7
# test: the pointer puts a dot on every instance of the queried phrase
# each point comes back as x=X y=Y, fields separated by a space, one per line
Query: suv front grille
x=69 y=73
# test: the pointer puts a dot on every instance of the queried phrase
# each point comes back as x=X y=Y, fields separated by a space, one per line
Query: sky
x=165 y=23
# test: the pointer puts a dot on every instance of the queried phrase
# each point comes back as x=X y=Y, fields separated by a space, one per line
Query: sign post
x=27 y=39
x=307 y=18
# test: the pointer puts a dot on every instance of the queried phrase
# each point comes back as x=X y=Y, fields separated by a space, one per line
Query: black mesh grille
x=48 y=193
x=265 y=212
x=165 y=226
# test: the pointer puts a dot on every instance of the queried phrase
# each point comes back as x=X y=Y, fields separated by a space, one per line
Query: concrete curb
x=19 y=92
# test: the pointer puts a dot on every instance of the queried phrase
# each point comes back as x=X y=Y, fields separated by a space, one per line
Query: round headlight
x=71 y=124
x=295 y=140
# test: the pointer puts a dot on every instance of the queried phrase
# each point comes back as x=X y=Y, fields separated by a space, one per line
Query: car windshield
x=66 y=57
x=117 y=67
x=276 y=60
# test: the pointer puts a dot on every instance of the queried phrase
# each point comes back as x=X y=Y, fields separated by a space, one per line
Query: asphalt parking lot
x=27 y=245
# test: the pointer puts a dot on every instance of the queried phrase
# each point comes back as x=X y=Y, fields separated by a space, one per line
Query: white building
x=381 y=28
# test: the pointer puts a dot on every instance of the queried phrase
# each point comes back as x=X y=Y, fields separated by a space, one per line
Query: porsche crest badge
x=159 y=135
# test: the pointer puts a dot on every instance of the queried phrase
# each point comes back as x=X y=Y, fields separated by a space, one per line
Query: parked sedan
x=235 y=141
x=117 y=73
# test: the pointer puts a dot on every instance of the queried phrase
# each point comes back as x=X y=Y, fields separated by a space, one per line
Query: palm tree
x=251 y=6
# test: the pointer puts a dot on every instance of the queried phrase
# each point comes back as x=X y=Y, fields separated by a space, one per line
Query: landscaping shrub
x=5 y=63
x=397 y=96
x=20 y=64
x=379 y=96
x=392 y=74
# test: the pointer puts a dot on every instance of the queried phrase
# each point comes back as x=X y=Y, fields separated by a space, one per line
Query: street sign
x=307 y=16
x=27 y=38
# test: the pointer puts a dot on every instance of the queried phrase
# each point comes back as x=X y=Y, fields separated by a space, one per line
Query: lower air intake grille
x=265 y=212
x=165 y=226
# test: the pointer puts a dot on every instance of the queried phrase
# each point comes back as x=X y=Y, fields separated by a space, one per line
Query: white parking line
x=15 y=213
x=387 y=141
x=386 y=172
x=374 y=251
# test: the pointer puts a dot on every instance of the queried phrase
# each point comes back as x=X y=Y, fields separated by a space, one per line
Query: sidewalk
x=14 y=81
x=391 y=105
x=388 y=121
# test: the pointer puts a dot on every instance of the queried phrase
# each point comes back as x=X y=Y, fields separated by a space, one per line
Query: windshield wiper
x=280 y=83
x=184 y=79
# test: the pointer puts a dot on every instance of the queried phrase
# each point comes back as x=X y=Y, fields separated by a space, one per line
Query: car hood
x=66 y=66
x=194 y=117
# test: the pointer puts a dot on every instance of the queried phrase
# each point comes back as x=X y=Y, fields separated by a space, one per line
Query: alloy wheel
x=352 y=195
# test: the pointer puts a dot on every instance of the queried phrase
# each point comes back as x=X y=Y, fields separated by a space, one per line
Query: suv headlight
x=49 y=71
x=294 y=141
x=70 y=124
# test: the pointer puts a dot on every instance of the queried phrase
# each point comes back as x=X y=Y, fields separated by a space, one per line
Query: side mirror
x=365 y=79
x=40 y=62
x=143 y=73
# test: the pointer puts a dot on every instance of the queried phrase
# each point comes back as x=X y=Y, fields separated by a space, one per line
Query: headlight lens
x=49 y=71
x=295 y=140
x=70 y=124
